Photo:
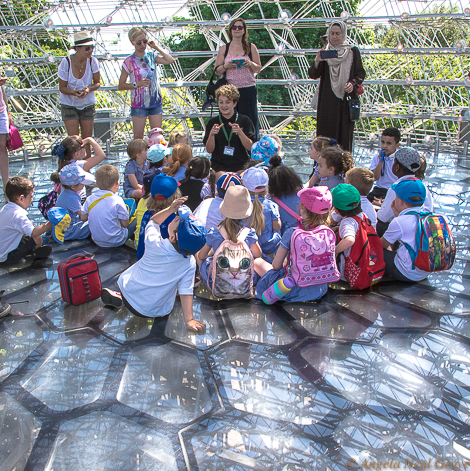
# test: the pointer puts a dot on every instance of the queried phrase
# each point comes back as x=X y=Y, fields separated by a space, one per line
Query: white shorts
x=4 y=125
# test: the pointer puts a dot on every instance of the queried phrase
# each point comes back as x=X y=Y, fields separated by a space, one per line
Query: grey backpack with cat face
x=232 y=268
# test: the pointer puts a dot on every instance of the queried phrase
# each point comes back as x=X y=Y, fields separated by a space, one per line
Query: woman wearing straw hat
x=340 y=77
x=79 y=78
x=141 y=67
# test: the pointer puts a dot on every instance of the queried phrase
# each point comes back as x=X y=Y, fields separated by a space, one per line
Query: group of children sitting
x=249 y=229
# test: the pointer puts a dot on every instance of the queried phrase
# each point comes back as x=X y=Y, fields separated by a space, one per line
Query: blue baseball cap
x=224 y=181
x=158 y=152
x=163 y=187
x=60 y=220
x=149 y=176
x=409 y=188
x=191 y=233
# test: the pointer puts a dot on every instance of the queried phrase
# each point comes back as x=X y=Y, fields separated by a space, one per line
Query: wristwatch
x=135 y=85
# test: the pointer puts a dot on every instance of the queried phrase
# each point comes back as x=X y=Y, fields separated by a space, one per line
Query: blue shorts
x=144 y=112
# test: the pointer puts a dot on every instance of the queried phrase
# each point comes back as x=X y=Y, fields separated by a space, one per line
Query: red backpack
x=365 y=265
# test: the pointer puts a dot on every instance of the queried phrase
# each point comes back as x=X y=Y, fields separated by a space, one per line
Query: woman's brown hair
x=246 y=45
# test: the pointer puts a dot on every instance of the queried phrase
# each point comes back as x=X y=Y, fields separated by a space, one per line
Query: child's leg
x=262 y=266
x=187 y=306
x=390 y=267
x=25 y=247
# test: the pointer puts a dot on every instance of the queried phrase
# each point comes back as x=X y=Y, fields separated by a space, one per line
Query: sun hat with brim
x=264 y=149
x=237 y=202
x=255 y=179
x=410 y=188
x=60 y=220
x=317 y=199
x=345 y=197
x=73 y=174
x=191 y=233
x=83 y=38
x=158 y=152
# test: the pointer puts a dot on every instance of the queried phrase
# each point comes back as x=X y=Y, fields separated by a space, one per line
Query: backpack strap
x=286 y=208
x=242 y=235
x=92 y=205
x=419 y=231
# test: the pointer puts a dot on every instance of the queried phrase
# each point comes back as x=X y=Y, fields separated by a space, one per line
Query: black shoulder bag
x=354 y=108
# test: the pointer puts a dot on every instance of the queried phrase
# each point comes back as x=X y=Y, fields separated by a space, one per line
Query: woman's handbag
x=354 y=108
x=14 y=142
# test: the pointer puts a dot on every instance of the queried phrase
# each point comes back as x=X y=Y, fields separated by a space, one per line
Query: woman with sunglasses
x=141 y=67
x=79 y=78
x=239 y=64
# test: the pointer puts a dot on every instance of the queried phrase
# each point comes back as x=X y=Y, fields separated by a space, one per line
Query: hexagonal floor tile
x=72 y=373
x=103 y=440
x=165 y=382
x=18 y=432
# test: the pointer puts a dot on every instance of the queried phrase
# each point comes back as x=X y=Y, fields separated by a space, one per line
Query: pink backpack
x=311 y=259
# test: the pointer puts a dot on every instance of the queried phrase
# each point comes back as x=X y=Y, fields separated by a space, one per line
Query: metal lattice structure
x=415 y=55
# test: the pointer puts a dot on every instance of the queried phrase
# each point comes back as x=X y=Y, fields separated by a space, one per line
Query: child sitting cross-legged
x=410 y=195
x=229 y=273
x=148 y=288
x=106 y=212
x=73 y=179
x=20 y=239
x=310 y=272
x=135 y=168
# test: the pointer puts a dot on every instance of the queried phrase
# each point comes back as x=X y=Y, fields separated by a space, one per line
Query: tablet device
x=238 y=62
x=330 y=54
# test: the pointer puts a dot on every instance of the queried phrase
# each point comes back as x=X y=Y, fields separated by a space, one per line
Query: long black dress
x=332 y=112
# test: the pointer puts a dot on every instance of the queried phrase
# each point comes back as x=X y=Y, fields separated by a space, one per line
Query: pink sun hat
x=318 y=199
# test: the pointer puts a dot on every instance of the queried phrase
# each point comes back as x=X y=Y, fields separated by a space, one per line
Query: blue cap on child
x=224 y=181
x=163 y=187
x=410 y=188
x=191 y=233
x=60 y=220
x=149 y=176
x=158 y=152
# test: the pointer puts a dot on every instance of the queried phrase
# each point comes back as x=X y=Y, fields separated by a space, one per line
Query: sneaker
x=40 y=252
x=5 y=309
x=111 y=298
x=197 y=280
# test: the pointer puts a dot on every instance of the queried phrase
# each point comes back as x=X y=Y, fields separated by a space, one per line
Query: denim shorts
x=70 y=112
x=144 y=112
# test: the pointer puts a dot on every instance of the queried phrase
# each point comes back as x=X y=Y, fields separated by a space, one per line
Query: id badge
x=229 y=150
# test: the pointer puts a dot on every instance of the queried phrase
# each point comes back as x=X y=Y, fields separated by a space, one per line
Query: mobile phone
x=329 y=54
x=10 y=73
x=238 y=62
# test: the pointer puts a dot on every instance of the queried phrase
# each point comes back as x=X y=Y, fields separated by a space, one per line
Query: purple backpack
x=48 y=201
x=311 y=259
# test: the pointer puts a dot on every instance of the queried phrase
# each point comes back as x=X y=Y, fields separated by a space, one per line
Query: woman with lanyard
x=240 y=63
x=340 y=78
x=230 y=135
x=79 y=78
x=141 y=67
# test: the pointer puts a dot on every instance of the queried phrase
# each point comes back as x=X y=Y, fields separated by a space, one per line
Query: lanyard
x=225 y=132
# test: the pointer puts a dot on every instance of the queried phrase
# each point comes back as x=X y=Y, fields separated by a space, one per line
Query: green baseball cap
x=345 y=197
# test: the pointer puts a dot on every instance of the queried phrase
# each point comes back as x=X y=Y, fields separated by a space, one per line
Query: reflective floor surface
x=354 y=379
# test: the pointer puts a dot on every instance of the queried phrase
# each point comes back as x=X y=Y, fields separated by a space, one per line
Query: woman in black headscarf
x=340 y=78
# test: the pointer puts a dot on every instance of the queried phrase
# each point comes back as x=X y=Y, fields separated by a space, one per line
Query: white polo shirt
x=14 y=224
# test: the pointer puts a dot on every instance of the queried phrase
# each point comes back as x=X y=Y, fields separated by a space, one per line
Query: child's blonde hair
x=420 y=173
x=159 y=205
x=361 y=178
x=135 y=147
x=340 y=160
x=321 y=143
x=232 y=228
x=313 y=219
x=257 y=221
x=106 y=176
x=180 y=156
x=175 y=136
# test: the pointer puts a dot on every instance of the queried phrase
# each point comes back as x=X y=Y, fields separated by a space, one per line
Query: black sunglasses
x=138 y=43
x=239 y=27
x=87 y=48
